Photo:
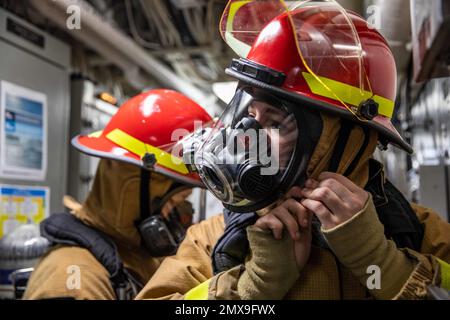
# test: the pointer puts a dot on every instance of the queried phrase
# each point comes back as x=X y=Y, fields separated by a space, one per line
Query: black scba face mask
x=161 y=236
x=258 y=149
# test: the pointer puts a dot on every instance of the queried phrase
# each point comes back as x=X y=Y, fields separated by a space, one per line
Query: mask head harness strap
x=148 y=161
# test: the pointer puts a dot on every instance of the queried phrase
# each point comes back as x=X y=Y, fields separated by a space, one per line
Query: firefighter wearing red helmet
x=309 y=214
x=136 y=212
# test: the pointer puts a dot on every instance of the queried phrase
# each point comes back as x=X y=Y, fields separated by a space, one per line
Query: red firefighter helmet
x=316 y=54
x=144 y=131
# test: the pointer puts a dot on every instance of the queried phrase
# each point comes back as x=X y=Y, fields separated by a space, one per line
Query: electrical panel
x=38 y=62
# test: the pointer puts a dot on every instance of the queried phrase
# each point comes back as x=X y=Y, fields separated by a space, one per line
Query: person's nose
x=259 y=117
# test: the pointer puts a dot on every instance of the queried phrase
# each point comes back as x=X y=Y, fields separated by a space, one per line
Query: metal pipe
x=111 y=43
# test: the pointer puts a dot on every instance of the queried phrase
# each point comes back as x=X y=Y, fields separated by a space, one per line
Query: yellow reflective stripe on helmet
x=234 y=7
x=347 y=93
x=140 y=148
x=445 y=274
x=241 y=48
x=96 y=134
x=200 y=292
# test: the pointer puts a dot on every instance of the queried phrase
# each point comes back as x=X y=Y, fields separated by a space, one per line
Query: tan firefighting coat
x=112 y=206
x=189 y=274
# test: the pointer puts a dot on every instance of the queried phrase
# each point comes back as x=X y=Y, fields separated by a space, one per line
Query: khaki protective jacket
x=112 y=207
x=189 y=274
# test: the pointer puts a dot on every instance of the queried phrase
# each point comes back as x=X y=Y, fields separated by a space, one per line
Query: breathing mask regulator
x=256 y=151
x=162 y=235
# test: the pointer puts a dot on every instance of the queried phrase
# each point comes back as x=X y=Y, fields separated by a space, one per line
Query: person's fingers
x=309 y=218
x=327 y=196
x=340 y=178
x=304 y=217
x=302 y=246
x=288 y=220
x=311 y=183
x=341 y=190
x=299 y=212
x=270 y=222
x=294 y=192
x=306 y=229
x=320 y=210
x=356 y=199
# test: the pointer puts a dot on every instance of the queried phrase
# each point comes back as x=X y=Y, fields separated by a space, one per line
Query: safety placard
x=23 y=134
x=22 y=204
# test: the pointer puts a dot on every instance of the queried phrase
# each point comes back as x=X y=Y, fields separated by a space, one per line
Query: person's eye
x=275 y=125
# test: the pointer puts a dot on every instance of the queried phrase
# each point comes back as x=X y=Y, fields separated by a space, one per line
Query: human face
x=279 y=126
x=245 y=156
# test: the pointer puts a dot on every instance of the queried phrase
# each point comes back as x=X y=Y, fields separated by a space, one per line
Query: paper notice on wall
x=23 y=135
x=22 y=204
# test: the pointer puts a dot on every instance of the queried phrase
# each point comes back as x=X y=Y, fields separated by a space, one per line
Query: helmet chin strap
x=160 y=236
x=144 y=195
x=147 y=206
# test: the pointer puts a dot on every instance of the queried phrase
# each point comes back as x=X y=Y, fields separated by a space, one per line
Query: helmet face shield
x=244 y=158
x=326 y=55
x=330 y=48
x=242 y=22
x=326 y=38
